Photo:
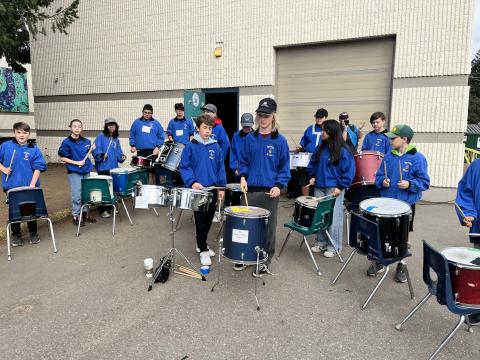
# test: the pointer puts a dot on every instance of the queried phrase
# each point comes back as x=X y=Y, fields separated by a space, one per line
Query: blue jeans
x=336 y=229
x=75 y=181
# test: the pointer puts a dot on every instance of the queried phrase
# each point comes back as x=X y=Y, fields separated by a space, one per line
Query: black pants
x=203 y=221
x=32 y=227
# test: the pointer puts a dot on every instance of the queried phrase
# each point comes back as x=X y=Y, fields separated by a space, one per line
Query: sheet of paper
x=141 y=202
x=240 y=236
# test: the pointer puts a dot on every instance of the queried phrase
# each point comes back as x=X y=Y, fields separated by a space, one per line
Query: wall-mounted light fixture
x=218 y=52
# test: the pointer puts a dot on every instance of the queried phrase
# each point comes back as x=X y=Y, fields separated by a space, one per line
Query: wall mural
x=13 y=91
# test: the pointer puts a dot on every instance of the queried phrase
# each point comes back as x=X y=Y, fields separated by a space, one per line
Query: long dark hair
x=107 y=133
x=334 y=142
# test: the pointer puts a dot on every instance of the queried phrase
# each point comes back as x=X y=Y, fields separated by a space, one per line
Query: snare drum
x=191 y=199
x=393 y=219
x=464 y=274
x=170 y=155
x=92 y=190
x=151 y=196
x=366 y=166
x=299 y=159
x=245 y=230
x=141 y=162
x=124 y=179
x=305 y=207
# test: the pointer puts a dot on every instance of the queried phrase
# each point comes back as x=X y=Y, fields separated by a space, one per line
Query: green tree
x=474 y=82
x=20 y=19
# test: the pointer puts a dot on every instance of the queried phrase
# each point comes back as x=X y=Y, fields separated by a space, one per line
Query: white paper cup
x=148 y=264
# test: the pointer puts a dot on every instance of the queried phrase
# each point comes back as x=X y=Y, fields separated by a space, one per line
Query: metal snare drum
x=191 y=199
x=141 y=162
x=299 y=159
x=245 y=232
x=170 y=155
x=393 y=219
x=151 y=196
x=464 y=274
x=305 y=207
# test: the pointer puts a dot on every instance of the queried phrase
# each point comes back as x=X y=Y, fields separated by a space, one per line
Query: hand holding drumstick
x=8 y=170
x=386 y=180
x=244 y=188
x=82 y=162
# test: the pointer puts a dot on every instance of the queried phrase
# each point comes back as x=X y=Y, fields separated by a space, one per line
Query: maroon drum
x=366 y=166
x=141 y=162
x=464 y=266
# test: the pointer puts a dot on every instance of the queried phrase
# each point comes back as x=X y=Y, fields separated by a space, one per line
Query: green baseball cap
x=400 y=131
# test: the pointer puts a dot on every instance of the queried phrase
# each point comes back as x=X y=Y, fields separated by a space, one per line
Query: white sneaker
x=105 y=214
x=329 y=253
x=205 y=258
x=210 y=251
x=318 y=248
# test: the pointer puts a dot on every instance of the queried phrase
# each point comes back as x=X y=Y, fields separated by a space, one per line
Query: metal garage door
x=349 y=76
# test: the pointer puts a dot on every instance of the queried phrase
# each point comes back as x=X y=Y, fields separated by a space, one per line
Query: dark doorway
x=226 y=101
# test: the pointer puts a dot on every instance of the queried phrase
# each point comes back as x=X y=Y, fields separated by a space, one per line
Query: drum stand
x=257 y=264
x=172 y=252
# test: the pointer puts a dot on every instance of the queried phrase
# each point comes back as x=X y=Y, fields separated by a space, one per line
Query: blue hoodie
x=414 y=169
x=202 y=162
x=468 y=196
x=327 y=174
x=28 y=158
x=180 y=130
x=377 y=142
x=76 y=149
x=114 y=155
x=312 y=137
x=146 y=134
x=219 y=134
x=238 y=141
x=265 y=161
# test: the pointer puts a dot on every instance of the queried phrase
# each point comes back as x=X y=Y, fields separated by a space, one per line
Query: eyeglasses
x=148 y=112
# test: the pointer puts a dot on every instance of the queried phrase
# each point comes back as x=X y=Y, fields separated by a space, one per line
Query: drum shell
x=141 y=162
x=465 y=284
x=394 y=231
x=172 y=160
x=124 y=179
x=299 y=159
x=190 y=199
x=303 y=215
x=154 y=196
x=244 y=253
x=366 y=166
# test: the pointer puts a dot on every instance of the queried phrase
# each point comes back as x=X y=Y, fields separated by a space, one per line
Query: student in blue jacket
x=312 y=137
x=146 y=136
x=377 y=140
x=238 y=140
x=218 y=132
x=264 y=170
x=468 y=199
x=202 y=166
x=407 y=186
x=180 y=129
x=21 y=161
x=73 y=152
x=107 y=154
x=331 y=170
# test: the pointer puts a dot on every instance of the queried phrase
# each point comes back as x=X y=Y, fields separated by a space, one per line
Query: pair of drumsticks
x=399 y=170
x=185 y=271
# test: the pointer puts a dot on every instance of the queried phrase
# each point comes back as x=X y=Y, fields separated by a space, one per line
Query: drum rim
x=267 y=215
x=369 y=152
x=457 y=264
x=260 y=261
x=310 y=207
x=385 y=215
x=181 y=190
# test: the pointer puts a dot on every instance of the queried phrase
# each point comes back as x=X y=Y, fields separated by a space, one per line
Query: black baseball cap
x=320 y=113
x=343 y=115
x=267 y=106
x=179 y=106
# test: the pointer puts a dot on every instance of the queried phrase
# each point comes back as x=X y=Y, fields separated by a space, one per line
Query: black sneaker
x=262 y=270
x=400 y=275
x=239 y=267
x=375 y=269
x=75 y=221
x=474 y=319
x=34 y=239
x=17 y=240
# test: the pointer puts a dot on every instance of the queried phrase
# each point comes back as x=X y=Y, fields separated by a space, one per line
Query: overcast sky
x=476 y=29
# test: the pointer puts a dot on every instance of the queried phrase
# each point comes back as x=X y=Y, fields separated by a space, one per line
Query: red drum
x=464 y=265
x=141 y=162
x=366 y=166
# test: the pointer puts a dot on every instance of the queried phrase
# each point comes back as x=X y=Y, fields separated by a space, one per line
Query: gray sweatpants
x=264 y=201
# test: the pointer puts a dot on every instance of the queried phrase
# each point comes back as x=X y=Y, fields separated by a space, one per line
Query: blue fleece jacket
x=114 y=154
x=312 y=137
x=180 y=130
x=468 y=196
x=76 y=149
x=27 y=159
x=327 y=174
x=219 y=134
x=238 y=141
x=146 y=134
x=376 y=142
x=414 y=170
x=203 y=163
x=265 y=161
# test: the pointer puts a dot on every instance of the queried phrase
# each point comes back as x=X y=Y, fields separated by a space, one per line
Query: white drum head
x=462 y=255
x=307 y=201
x=385 y=207
x=247 y=212
x=123 y=170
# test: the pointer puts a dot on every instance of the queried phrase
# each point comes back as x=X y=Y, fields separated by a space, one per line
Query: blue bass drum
x=245 y=231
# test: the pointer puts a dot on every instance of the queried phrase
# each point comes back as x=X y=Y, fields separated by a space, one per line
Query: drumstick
x=459 y=210
x=320 y=198
x=108 y=147
x=400 y=169
x=88 y=154
x=185 y=274
x=308 y=185
x=187 y=270
x=11 y=163
x=246 y=200
x=385 y=169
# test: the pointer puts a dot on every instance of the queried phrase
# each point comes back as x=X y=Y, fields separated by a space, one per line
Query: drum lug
x=244 y=221
x=388 y=247
x=397 y=220
x=396 y=251
x=457 y=271
x=266 y=221
x=242 y=256
x=359 y=240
